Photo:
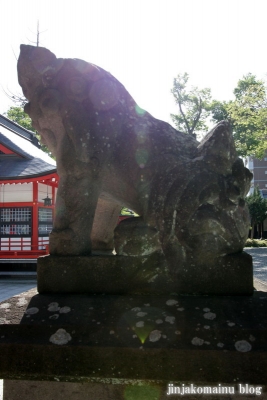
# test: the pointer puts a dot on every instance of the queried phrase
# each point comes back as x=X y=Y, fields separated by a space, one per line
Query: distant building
x=259 y=170
x=28 y=186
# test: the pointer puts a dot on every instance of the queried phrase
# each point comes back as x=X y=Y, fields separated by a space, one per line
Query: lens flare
x=139 y=111
x=104 y=94
x=141 y=157
x=144 y=392
x=143 y=331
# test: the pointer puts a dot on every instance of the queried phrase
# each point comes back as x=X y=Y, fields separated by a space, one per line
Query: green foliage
x=18 y=115
x=248 y=116
x=256 y=243
x=257 y=206
x=219 y=110
x=193 y=105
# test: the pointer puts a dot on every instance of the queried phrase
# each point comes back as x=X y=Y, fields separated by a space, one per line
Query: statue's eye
x=50 y=101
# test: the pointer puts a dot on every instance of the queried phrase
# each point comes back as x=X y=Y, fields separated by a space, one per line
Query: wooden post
x=53 y=195
x=35 y=216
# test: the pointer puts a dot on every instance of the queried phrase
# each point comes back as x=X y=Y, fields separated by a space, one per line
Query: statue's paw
x=133 y=237
x=102 y=247
x=67 y=243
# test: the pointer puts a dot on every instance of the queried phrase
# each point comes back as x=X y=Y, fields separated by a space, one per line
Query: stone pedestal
x=33 y=390
x=17 y=390
x=130 y=346
x=229 y=275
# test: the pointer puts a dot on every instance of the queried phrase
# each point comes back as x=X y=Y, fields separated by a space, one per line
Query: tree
x=219 y=110
x=18 y=115
x=257 y=206
x=247 y=114
x=18 y=99
x=193 y=105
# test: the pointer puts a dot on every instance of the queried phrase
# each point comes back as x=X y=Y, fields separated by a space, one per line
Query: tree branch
x=198 y=116
x=184 y=117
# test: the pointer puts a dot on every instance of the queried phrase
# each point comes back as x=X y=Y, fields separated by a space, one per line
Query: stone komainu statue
x=110 y=153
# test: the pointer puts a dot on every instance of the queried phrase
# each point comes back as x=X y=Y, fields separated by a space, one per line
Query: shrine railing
x=23 y=248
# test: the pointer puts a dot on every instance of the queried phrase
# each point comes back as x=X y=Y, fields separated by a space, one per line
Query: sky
x=145 y=44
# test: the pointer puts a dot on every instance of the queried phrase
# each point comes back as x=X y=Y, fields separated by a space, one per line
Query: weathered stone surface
x=104 y=274
x=149 y=275
x=105 y=220
x=17 y=390
x=133 y=237
x=128 y=340
x=111 y=153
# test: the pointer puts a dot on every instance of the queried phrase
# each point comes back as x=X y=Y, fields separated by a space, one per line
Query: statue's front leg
x=105 y=221
x=74 y=215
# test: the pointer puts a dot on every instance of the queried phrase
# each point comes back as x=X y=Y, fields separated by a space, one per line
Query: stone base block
x=229 y=275
x=134 y=340
x=33 y=390
x=18 y=390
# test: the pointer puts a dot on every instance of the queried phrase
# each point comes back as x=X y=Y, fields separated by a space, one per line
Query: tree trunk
x=260 y=230
x=252 y=231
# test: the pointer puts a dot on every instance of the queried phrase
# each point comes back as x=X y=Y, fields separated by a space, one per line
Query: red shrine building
x=28 y=187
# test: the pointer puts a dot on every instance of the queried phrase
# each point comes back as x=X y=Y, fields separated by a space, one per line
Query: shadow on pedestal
x=229 y=275
x=130 y=347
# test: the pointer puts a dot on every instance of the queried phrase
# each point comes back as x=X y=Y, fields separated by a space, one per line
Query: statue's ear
x=217 y=149
x=35 y=64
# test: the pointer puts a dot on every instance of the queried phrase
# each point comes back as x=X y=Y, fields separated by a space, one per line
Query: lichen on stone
x=154 y=336
x=209 y=315
x=140 y=324
x=197 y=341
x=60 y=337
x=64 y=310
x=243 y=346
x=32 y=310
x=171 y=302
x=53 y=307
x=141 y=314
x=170 y=319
